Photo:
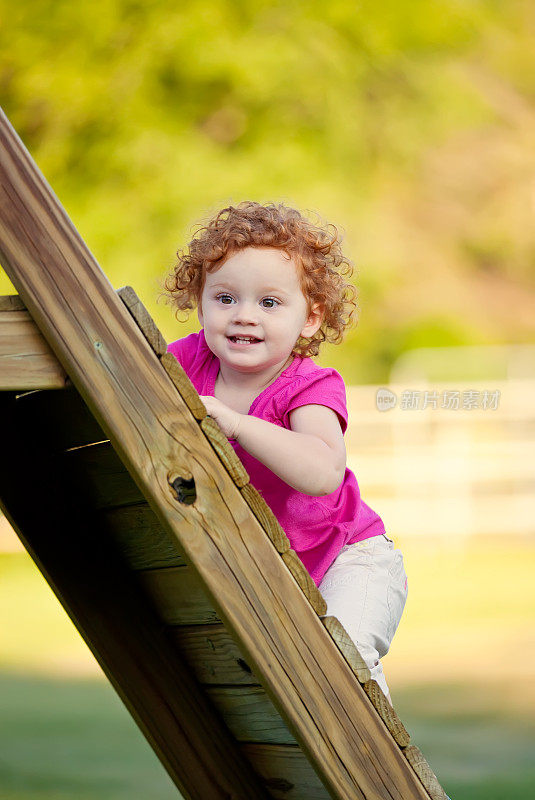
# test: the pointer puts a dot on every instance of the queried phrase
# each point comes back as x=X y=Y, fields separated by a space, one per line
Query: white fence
x=462 y=465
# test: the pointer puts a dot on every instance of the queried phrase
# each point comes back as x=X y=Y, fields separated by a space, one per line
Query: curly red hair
x=316 y=249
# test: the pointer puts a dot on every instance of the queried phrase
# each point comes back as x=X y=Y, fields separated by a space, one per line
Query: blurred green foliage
x=410 y=126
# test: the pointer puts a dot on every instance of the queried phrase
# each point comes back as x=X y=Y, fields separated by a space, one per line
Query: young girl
x=270 y=287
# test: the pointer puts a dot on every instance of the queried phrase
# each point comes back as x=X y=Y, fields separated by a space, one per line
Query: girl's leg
x=366 y=589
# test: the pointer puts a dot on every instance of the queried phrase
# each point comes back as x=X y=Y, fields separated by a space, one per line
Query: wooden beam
x=26 y=360
x=286 y=772
x=213 y=655
x=151 y=428
x=125 y=635
x=11 y=302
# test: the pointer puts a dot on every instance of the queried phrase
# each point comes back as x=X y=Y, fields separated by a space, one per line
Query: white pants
x=366 y=588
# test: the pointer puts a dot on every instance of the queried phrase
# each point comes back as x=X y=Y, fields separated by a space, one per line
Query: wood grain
x=140 y=537
x=179 y=596
x=213 y=655
x=11 y=302
x=304 y=581
x=428 y=778
x=286 y=772
x=387 y=713
x=266 y=517
x=225 y=451
x=153 y=432
x=348 y=648
x=249 y=714
x=184 y=385
x=26 y=360
x=143 y=320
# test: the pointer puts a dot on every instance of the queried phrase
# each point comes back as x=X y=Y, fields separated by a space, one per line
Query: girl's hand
x=227 y=419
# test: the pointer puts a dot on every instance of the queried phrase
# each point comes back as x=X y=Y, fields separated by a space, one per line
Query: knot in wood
x=182 y=487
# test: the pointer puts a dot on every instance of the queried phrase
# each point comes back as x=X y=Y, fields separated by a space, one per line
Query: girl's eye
x=227 y=299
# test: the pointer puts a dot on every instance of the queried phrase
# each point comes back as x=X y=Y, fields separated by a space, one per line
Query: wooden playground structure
x=176 y=573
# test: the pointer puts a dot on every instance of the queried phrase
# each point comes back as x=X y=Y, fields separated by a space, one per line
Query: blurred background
x=411 y=127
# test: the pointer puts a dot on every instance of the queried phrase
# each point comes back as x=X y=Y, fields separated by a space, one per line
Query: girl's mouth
x=243 y=341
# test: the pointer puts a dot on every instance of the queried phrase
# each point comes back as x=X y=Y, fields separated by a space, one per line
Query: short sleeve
x=184 y=350
x=323 y=388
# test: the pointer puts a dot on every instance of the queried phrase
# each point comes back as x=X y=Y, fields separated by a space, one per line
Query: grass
x=478 y=748
x=460 y=671
x=62 y=740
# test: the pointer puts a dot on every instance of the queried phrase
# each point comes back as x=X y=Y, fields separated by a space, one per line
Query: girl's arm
x=311 y=457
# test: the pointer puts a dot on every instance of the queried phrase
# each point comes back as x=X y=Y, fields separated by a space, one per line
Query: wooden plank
x=286 y=772
x=266 y=517
x=213 y=654
x=184 y=385
x=11 y=302
x=152 y=430
x=99 y=475
x=179 y=596
x=304 y=581
x=226 y=453
x=117 y=622
x=141 y=539
x=143 y=320
x=249 y=714
x=156 y=341
x=387 y=713
x=26 y=360
x=63 y=417
x=417 y=761
x=348 y=648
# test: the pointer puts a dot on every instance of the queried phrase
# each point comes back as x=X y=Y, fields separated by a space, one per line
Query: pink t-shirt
x=317 y=527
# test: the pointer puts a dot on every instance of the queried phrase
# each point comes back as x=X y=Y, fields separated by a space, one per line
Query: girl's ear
x=314 y=320
x=199 y=313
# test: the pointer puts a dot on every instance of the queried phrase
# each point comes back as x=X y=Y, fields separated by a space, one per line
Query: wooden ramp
x=143 y=521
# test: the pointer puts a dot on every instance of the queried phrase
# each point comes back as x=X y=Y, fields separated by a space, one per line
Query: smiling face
x=255 y=294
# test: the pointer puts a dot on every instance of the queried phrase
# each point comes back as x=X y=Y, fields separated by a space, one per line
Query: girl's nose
x=245 y=313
